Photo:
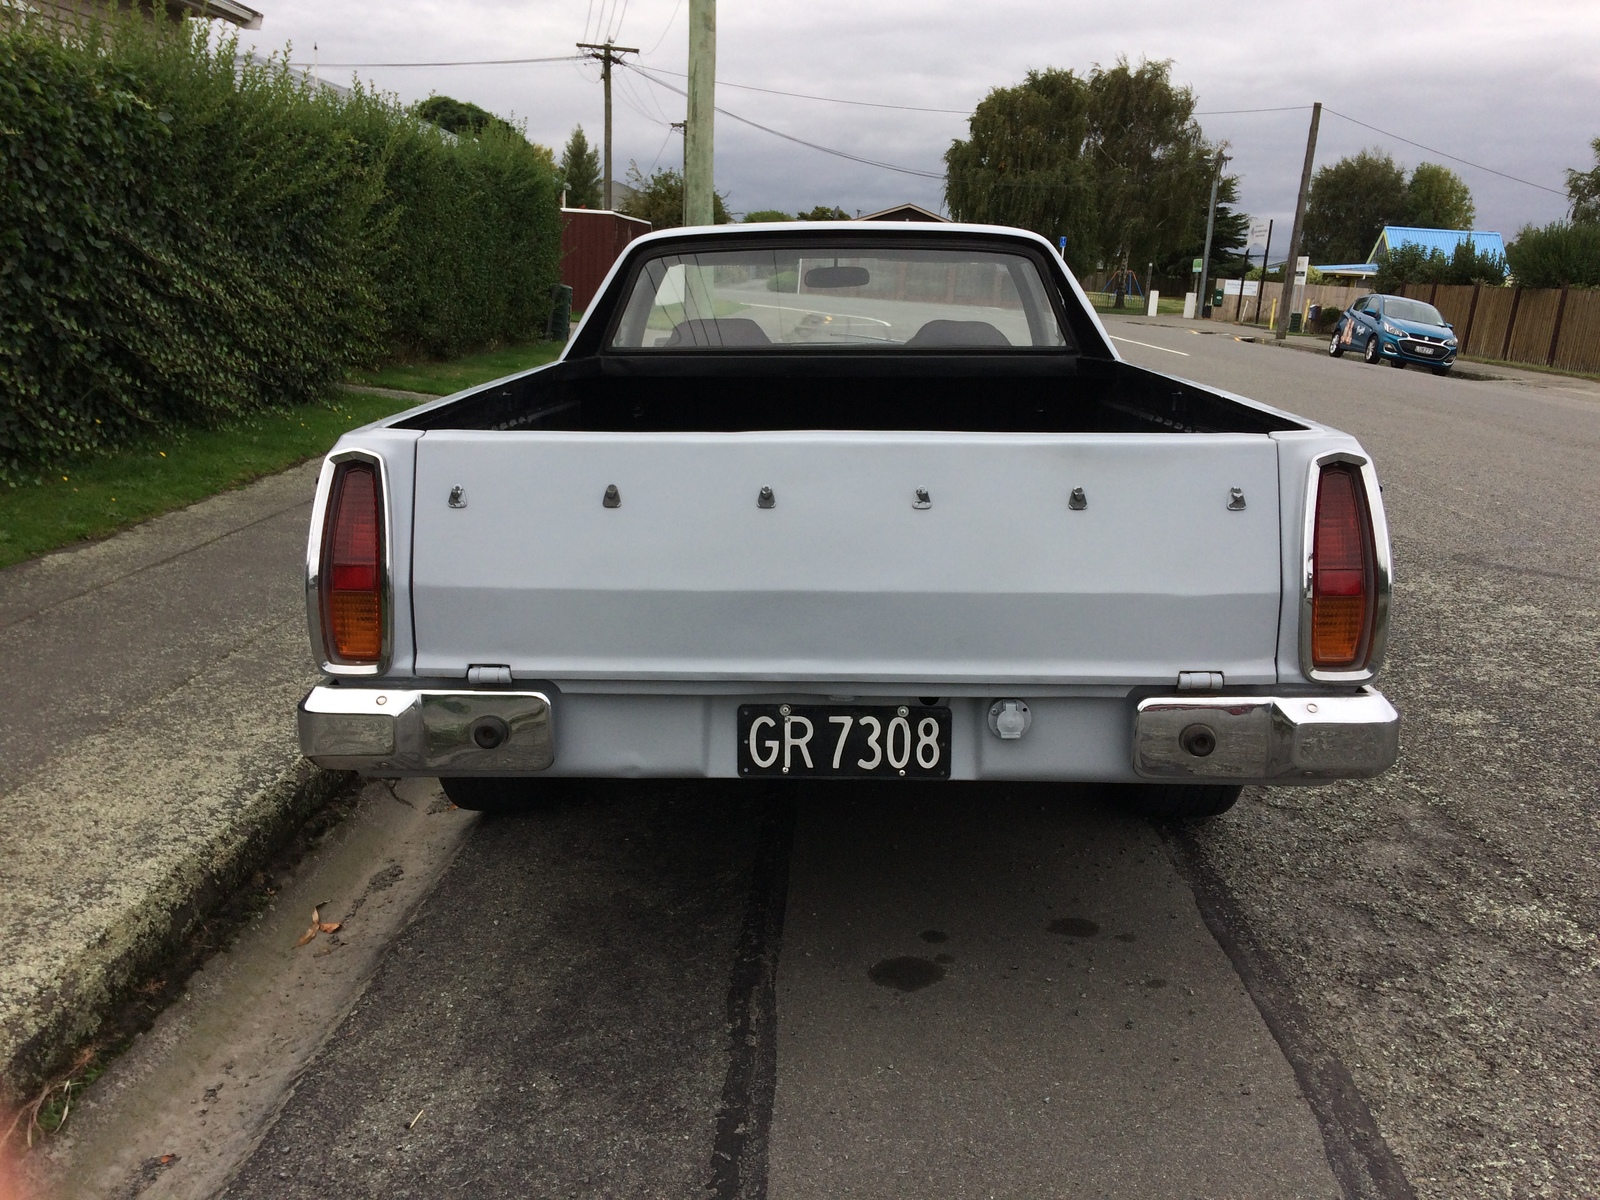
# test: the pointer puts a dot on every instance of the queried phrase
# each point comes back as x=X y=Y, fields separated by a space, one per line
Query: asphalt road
x=1376 y=989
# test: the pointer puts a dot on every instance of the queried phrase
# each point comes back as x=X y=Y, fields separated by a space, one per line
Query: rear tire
x=1397 y=364
x=1370 y=354
x=1335 y=346
x=503 y=797
x=1177 y=801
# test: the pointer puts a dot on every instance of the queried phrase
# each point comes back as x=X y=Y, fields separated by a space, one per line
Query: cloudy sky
x=1511 y=87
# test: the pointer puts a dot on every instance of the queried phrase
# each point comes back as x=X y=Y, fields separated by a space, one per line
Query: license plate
x=1424 y=349
x=833 y=741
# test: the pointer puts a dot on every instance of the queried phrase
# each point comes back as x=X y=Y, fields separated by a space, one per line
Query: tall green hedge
x=1565 y=254
x=187 y=235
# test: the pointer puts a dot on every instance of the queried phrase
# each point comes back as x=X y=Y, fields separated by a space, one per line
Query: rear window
x=822 y=297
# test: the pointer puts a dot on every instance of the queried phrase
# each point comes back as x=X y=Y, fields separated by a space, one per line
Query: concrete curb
x=71 y=1007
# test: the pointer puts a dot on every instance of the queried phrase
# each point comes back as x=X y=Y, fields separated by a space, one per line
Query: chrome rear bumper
x=1266 y=739
x=416 y=731
x=1195 y=737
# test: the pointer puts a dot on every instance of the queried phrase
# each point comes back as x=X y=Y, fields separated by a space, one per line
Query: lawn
x=1165 y=306
x=443 y=378
x=101 y=494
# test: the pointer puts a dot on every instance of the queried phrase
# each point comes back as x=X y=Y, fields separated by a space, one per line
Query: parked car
x=845 y=501
x=1396 y=329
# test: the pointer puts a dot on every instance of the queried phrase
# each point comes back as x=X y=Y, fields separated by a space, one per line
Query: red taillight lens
x=1343 y=584
x=352 y=567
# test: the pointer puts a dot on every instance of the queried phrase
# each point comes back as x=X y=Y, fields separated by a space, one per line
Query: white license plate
x=833 y=741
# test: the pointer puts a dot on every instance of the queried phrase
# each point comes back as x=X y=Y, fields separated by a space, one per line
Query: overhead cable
x=750 y=87
x=1442 y=154
x=482 y=62
x=789 y=137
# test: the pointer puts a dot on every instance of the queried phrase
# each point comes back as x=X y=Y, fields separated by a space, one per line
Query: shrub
x=1413 y=264
x=1559 y=255
x=187 y=236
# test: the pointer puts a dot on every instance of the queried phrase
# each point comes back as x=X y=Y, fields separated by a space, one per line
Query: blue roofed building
x=1395 y=236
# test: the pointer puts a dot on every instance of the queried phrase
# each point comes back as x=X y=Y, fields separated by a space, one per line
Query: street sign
x=1258 y=233
x=1302 y=268
x=1198 y=263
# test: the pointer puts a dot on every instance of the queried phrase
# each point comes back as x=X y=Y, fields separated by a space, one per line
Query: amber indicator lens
x=352 y=575
x=1342 y=599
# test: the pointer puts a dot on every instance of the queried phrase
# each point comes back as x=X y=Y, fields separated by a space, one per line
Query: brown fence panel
x=1489 y=323
x=1454 y=301
x=1536 y=321
x=1579 y=347
x=591 y=240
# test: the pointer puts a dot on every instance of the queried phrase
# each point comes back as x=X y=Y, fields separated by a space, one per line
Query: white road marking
x=1146 y=345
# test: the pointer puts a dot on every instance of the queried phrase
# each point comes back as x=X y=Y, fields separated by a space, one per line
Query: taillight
x=352 y=566
x=1343 y=572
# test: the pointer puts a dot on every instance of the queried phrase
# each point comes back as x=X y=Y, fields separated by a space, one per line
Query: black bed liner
x=959 y=392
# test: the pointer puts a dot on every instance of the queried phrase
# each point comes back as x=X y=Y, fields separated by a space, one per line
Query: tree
x=1564 y=254
x=1114 y=161
x=1229 y=239
x=1583 y=188
x=1413 y=264
x=1438 y=198
x=1350 y=203
x=1153 y=168
x=461 y=117
x=580 y=172
x=823 y=212
x=1023 y=163
x=659 y=198
x=766 y=214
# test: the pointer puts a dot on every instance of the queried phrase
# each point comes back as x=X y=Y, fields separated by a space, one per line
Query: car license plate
x=1424 y=349
x=832 y=741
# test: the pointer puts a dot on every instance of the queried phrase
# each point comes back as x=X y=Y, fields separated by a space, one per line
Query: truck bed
x=957 y=393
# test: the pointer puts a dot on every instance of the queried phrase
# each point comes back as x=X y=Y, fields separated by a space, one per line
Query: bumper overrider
x=1200 y=739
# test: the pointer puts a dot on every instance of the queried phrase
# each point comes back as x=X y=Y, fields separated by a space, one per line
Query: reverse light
x=351 y=582
x=1343 y=572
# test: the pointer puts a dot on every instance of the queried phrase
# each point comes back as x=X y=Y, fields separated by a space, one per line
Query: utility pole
x=1211 y=224
x=607 y=54
x=699 y=204
x=1281 y=330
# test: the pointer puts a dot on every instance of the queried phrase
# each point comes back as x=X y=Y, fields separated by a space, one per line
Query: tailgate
x=997 y=581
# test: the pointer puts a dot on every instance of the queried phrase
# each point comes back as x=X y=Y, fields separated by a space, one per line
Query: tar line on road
x=1358 y=1154
x=744 y=1118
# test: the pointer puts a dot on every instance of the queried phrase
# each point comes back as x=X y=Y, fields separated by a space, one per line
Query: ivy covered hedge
x=188 y=236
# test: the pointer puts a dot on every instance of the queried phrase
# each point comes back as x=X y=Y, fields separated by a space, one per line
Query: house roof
x=245 y=18
x=1443 y=240
x=904 y=212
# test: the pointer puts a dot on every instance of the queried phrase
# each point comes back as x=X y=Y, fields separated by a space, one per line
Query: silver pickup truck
x=849 y=500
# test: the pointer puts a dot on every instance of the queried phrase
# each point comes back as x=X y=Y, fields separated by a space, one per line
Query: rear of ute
x=603 y=604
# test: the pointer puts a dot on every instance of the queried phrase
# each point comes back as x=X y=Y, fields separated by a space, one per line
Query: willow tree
x=1114 y=161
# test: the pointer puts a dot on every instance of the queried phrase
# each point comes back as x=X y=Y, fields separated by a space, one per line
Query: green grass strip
x=443 y=378
x=99 y=495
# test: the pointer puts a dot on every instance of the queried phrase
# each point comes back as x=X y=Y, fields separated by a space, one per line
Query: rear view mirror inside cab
x=838 y=277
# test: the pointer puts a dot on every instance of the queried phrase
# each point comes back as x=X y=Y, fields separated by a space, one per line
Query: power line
x=1228 y=112
x=1451 y=157
x=667 y=28
x=750 y=87
x=789 y=137
x=483 y=62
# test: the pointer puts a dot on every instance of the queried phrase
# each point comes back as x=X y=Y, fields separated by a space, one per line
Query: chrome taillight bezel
x=329 y=662
x=1383 y=571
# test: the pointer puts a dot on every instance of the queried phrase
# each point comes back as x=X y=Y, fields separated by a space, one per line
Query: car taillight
x=352 y=566
x=1343 y=572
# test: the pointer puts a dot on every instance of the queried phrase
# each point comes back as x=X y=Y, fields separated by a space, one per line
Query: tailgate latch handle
x=1235 y=499
x=921 y=499
x=1077 y=500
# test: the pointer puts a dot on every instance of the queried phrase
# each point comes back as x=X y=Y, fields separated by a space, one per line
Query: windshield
x=1402 y=309
x=838 y=296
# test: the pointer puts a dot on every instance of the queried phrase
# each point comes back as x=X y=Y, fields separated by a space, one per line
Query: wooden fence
x=1546 y=327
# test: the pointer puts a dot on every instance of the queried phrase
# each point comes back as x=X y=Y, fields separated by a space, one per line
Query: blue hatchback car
x=1396 y=329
